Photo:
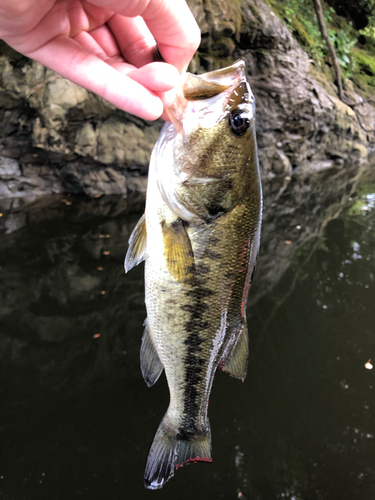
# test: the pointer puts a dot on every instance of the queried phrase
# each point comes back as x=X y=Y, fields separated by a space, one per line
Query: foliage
x=300 y=17
x=368 y=7
x=343 y=44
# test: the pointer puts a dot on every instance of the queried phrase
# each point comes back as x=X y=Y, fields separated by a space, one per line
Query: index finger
x=175 y=29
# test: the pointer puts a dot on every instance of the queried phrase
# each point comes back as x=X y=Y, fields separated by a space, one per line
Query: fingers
x=105 y=39
x=158 y=76
x=21 y=15
x=90 y=44
x=71 y=60
x=175 y=29
x=171 y=24
x=134 y=39
x=114 y=60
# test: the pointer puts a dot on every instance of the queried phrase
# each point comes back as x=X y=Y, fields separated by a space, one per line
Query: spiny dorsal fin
x=151 y=365
x=177 y=250
x=236 y=363
x=137 y=245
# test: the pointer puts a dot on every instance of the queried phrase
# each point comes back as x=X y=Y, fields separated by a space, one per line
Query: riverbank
x=56 y=137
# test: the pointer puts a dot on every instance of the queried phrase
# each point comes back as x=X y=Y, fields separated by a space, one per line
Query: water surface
x=76 y=417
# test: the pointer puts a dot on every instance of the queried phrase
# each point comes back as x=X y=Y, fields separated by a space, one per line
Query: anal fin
x=137 y=245
x=236 y=363
x=151 y=366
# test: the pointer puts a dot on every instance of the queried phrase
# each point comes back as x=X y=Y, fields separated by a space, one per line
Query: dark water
x=76 y=418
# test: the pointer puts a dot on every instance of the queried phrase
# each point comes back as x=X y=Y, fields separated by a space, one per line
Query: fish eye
x=239 y=122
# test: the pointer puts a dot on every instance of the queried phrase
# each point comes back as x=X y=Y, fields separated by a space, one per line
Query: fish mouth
x=198 y=87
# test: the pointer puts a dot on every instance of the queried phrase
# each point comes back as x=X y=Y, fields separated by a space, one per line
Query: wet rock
x=55 y=100
x=318 y=166
x=78 y=179
x=223 y=18
x=121 y=143
x=86 y=138
x=137 y=184
x=9 y=168
x=281 y=163
x=14 y=222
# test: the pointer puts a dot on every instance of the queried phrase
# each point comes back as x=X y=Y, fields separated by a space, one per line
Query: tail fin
x=172 y=449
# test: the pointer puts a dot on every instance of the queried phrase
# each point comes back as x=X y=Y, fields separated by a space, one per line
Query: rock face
x=57 y=137
x=64 y=139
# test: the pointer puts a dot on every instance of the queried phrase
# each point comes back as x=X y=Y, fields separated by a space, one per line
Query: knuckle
x=194 y=39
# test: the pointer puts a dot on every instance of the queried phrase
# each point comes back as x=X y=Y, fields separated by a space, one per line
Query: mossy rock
x=365 y=83
x=254 y=10
x=364 y=72
x=370 y=44
x=275 y=7
x=365 y=62
x=302 y=34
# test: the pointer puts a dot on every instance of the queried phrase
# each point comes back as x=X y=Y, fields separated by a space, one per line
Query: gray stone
x=86 y=140
x=93 y=182
x=9 y=168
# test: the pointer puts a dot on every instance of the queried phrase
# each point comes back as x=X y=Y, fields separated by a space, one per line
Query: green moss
x=364 y=71
x=365 y=62
x=276 y=7
x=356 y=63
x=371 y=45
x=364 y=83
x=302 y=34
x=300 y=19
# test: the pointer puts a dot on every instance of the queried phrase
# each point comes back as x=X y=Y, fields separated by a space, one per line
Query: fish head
x=214 y=145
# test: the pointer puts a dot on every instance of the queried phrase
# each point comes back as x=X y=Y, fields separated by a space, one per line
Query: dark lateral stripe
x=211 y=254
x=193 y=361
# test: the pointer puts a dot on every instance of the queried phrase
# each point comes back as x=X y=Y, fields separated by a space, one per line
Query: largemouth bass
x=199 y=238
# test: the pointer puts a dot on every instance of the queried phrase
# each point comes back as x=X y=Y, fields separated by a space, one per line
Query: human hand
x=107 y=46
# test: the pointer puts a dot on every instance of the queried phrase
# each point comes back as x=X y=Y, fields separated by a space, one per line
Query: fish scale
x=199 y=239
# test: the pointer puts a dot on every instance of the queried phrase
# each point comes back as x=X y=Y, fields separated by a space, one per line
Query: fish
x=199 y=238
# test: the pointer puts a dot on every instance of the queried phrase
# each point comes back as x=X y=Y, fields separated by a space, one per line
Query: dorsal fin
x=137 y=245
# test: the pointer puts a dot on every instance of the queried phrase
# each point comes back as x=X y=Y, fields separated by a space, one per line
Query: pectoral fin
x=137 y=245
x=151 y=365
x=178 y=252
x=236 y=363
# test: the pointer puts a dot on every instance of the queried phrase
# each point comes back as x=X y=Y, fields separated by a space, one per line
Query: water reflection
x=61 y=284
x=318 y=342
x=76 y=417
